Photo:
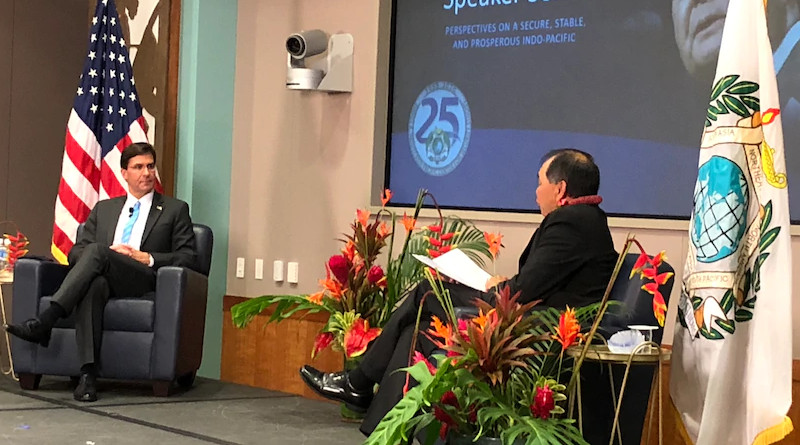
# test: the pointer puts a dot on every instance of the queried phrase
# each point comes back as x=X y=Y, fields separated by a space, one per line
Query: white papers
x=458 y=266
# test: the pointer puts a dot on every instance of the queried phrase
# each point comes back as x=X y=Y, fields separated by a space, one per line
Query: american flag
x=105 y=118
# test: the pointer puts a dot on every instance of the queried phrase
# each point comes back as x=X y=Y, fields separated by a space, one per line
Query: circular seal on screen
x=439 y=128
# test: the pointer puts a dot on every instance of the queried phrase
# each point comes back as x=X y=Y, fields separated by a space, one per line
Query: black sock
x=52 y=314
x=359 y=381
x=89 y=368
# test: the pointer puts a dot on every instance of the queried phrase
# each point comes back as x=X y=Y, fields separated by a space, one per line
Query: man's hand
x=138 y=255
x=494 y=281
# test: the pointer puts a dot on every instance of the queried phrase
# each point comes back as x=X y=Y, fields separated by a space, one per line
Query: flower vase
x=349 y=415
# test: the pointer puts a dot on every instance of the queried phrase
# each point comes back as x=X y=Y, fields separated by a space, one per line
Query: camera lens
x=295 y=45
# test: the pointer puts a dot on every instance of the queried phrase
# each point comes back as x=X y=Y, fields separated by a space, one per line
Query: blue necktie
x=126 y=232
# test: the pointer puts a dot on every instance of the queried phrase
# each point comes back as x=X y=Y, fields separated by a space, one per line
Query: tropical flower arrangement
x=357 y=291
x=503 y=374
x=647 y=267
x=12 y=248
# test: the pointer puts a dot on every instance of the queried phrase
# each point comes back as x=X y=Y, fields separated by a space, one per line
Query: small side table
x=647 y=353
x=6 y=278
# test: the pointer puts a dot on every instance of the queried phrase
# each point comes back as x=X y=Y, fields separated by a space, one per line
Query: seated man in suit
x=124 y=241
x=568 y=261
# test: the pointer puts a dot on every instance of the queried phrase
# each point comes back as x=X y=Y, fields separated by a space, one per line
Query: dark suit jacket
x=168 y=235
x=568 y=260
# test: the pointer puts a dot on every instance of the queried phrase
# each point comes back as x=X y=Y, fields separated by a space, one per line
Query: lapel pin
x=158 y=207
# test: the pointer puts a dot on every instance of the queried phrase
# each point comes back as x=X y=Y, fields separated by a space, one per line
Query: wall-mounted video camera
x=309 y=69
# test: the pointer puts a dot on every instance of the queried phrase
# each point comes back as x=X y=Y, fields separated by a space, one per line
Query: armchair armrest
x=34 y=279
x=180 y=313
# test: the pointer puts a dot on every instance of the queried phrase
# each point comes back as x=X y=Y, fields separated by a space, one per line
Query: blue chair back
x=635 y=305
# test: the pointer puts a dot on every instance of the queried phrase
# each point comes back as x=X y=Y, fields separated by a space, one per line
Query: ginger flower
x=362 y=215
x=409 y=222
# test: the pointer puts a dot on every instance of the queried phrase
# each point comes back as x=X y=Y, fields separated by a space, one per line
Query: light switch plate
x=240 y=267
x=277 y=270
x=259 y=269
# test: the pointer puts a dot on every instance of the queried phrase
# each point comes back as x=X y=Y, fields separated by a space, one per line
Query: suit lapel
x=152 y=217
x=114 y=209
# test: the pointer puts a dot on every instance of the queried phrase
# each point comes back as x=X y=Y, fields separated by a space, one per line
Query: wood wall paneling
x=6 y=38
x=47 y=54
x=269 y=356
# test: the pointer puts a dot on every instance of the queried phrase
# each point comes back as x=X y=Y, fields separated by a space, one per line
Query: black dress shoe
x=336 y=386
x=31 y=330
x=86 y=391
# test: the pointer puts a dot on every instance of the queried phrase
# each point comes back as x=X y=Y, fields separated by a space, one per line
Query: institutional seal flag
x=732 y=352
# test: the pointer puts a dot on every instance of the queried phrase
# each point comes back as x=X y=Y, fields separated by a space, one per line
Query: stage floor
x=127 y=413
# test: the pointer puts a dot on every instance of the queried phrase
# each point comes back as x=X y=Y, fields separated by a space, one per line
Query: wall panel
x=6 y=34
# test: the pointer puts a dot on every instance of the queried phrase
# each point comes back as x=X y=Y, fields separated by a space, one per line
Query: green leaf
x=735 y=105
x=768 y=238
x=743 y=315
x=722 y=84
x=750 y=304
x=767 y=216
x=720 y=109
x=727 y=301
x=696 y=302
x=721 y=106
x=711 y=116
x=711 y=334
x=727 y=326
x=743 y=87
x=751 y=102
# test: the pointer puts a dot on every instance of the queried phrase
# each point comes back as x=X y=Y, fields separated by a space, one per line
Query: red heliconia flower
x=639 y=264
x=447 y=236
x=362 y=215
x=434 y=253
x=339 y=267
x=358 y=337
x=659 y=308
x=445 y=249
x=543 y=403
x=449 y=398
x=386 y=195
x=418 y=357
x=658 y=259
x=434 y=242
x=375 y=275
x=322 y=341
x=435 y=228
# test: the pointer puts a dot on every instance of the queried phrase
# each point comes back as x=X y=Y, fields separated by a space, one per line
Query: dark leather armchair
x=158 y=337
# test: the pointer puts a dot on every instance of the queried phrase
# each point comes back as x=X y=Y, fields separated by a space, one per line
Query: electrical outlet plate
x=293 y=272
x=277 y=270
x=259 y=272
x=240 y=267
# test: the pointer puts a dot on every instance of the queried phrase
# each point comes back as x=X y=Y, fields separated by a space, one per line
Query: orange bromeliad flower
x=349 y=251
x=386 y=195
x=568 y=331
x=383 y=230
x=439 y=329
x=316 y=297
x=333 y=287
x=362 y=215
x=483 y=319
x=494 y=240
x=409 y=222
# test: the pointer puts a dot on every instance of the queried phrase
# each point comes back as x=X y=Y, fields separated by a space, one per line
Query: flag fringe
x=679 y=424
x=58 y=254
x=774 y=433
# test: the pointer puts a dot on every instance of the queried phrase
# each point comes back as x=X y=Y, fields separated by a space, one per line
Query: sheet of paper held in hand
x=458 y=266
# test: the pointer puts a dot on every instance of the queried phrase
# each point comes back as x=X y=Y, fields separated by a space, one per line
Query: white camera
x=332 y=73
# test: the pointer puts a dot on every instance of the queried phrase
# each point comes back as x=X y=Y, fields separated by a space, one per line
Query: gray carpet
x=127 y=413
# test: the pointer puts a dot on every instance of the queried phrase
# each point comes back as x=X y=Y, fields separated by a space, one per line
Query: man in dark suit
x=568 y=261
x=124 y=241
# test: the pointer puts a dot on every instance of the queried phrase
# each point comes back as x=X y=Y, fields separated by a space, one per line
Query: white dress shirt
x=145 y=203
